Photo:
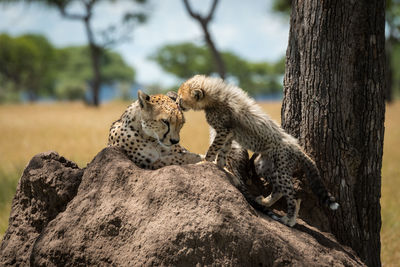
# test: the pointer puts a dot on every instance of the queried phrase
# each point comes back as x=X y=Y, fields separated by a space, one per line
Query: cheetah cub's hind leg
x=281 y=186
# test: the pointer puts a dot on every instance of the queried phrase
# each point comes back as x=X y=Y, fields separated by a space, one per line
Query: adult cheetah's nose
x=174 y=141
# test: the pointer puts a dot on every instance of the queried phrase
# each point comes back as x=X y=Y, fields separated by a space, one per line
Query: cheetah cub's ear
x=197 y=94
x=144 y=100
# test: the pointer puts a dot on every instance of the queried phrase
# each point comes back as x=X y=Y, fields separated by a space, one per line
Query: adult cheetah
x=148 y=131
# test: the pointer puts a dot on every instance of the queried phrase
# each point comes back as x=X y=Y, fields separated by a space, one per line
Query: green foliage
x=393 y=15
x=26 y=64
x=74 y=71
x=186 y=59
x=115 y=69
x=70 y=90
x=282 y=6
x=73 y=63
x=29 y=63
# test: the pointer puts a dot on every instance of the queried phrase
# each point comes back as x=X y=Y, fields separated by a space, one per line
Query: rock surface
x=114 y=213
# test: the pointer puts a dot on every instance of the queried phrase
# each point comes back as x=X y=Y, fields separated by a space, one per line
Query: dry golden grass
x=390 y=201
x=79 y=132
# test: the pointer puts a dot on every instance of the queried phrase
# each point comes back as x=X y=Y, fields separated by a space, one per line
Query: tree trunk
x=95 y=54
x=334 y=89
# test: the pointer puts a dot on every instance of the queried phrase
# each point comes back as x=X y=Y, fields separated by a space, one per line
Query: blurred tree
x=156 y=88
x=8 y=93
x=109 y=36
x=282 y=6
x=186 y=59
x=26 y=64
x=392 y=42
x=70 y=90
x=73 y=67
x=334 y=91
x=124 y=91
x=204 y=23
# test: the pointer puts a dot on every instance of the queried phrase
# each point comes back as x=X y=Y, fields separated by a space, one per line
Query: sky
x=247 y=28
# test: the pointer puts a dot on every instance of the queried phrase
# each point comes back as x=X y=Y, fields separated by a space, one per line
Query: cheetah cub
x=235 y=116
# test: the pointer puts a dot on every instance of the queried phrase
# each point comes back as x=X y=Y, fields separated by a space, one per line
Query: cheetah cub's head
x=191 y=94
x=161 y=118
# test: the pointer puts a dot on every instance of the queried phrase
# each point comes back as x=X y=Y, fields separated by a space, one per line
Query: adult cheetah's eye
x=165 y=122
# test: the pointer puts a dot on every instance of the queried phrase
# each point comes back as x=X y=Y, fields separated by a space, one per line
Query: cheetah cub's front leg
x=220 y=147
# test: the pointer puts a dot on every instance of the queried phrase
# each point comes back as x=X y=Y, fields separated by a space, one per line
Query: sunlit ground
x=79 y=132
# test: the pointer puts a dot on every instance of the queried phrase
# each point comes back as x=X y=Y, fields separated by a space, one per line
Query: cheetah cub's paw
x=260 y=200
x=228 y=171
x=265 y=201
x=220 y=162
x=288 y=221
x=201 y=162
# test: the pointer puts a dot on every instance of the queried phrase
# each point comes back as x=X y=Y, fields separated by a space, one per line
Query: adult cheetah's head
x=161 y=118
x=191 y=94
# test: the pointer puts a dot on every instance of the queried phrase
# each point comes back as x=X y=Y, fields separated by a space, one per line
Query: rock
x=48 y=183
x=122 y=215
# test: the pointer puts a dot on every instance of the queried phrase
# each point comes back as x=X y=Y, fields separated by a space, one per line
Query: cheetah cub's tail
x=316 y=184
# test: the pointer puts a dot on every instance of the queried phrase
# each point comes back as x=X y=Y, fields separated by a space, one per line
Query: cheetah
x=236 y=116
x=148 y=132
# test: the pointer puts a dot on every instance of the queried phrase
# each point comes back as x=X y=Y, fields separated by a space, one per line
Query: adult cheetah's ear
x=144 y=100
x=197 y=94
x=173 y=95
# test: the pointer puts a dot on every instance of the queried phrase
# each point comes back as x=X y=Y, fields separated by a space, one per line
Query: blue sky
x=248 y=28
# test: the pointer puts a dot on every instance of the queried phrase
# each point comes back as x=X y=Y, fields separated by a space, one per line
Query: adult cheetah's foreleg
x=190 y=158
x=179 y=157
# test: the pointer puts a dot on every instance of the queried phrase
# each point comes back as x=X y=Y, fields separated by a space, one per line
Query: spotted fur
x=148 y=131
x=235 y=116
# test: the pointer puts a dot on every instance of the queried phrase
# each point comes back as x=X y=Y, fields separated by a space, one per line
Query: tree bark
x=334 y=89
